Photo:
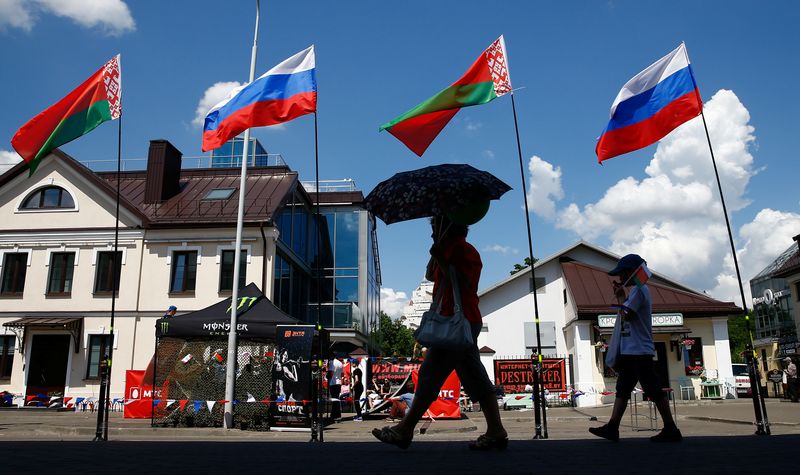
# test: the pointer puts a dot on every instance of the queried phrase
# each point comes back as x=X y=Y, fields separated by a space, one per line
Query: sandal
x=390 y=436
x=487 y=442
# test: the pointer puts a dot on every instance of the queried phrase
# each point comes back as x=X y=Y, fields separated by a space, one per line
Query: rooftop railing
x=327 y=186
x=187 y=163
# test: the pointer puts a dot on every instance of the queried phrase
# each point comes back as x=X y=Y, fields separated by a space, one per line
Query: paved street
x=718 y=438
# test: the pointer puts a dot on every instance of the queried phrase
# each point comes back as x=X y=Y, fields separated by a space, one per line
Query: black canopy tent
x=191 y=359
x=257 y=318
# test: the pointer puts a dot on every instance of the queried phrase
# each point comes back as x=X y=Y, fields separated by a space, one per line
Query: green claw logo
x=242 y=301
x=164 y=328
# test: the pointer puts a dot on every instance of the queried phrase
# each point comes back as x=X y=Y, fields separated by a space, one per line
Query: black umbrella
x=432 y=191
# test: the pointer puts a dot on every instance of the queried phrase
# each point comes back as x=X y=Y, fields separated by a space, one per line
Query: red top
x=467 y=262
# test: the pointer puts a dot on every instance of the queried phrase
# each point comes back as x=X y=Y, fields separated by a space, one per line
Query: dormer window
x=49 y=197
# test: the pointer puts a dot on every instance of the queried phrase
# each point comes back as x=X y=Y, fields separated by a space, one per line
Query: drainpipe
x=264 y=264
x=138 y=296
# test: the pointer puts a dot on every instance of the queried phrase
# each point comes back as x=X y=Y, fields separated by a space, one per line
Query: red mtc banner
x=514 y=375
x=139 y=396
x=446 y=406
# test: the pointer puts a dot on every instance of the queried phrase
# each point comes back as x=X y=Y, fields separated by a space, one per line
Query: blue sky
x=375 y=60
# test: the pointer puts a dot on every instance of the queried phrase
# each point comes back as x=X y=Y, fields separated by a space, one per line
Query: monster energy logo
x=249 y=301
x=164 y=327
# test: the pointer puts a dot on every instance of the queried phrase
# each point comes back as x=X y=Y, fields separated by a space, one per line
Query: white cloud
x=673 y=217
x=392 y=303
x=472 y=125
x=488 y=154
x=545 y=187
x=212 y=97
x=215 y=94
x=504 y=250
x=112 y=16
x=15 y=14
x=8 y=159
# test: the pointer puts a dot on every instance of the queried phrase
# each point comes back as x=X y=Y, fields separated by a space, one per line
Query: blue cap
x=171 y=308
x=629 y=262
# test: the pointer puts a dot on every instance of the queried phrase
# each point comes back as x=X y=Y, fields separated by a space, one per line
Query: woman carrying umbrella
x=450 y=249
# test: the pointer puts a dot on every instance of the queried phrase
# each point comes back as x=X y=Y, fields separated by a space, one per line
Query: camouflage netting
x=190 y=369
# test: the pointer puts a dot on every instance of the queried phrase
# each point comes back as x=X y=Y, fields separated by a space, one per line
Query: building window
x=6 y=356
x=14 y=267
x=107 y=276
x=693 y=357
x=49 y=197
x=62 y=264
x=226 y=270
x=98 y=347
x=797 y=291
x=184 y=271
x=540 y=284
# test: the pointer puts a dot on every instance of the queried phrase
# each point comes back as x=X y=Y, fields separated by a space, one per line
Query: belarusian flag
x=95 y=101
x=485 y=80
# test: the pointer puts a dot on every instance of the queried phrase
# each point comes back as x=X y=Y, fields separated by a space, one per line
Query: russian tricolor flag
x=651 y=105
x=285 y=92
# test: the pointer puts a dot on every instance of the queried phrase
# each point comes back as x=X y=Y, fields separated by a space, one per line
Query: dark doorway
x=47 y=371
x=660 y=363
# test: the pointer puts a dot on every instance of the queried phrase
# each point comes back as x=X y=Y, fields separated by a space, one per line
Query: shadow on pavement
x=694 y=455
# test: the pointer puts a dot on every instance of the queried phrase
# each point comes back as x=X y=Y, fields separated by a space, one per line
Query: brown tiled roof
x=486 y=349
x=267 y=190
x=592 y=289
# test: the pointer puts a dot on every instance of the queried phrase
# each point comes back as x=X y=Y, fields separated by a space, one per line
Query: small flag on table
x=218 y=357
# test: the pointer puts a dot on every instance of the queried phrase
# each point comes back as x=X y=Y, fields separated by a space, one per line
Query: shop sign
x=659 y=320
x=775 y=375
x=514 y=375
x=770 y=297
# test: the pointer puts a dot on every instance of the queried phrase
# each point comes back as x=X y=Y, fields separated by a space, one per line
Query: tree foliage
x=737 y=337
x=394 y=338
x=525 y=264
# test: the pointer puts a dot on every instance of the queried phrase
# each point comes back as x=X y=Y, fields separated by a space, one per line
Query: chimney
x=163 y=172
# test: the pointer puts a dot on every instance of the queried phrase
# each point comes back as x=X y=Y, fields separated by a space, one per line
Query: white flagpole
x=230 y=374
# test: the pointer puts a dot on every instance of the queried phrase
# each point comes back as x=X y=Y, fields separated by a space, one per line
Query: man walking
x=791 y=378
x=631 y=350
x=335 y=372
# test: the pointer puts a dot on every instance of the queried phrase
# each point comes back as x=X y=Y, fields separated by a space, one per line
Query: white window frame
x=184 y=247
x=109 y=248
x=15 y=250
x=63 y=248
x=42 y=184
x=245 y=247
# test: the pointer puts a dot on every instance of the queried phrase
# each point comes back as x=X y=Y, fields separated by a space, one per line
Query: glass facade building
x=772 y=303
x=348 y=288
x=230 y=154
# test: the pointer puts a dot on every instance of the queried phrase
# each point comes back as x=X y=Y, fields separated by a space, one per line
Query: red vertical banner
x=446 y=405
x=139 y=396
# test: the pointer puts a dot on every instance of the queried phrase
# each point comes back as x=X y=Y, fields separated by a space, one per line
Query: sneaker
x=606 y=432
x=668 y=435
x=358 y=419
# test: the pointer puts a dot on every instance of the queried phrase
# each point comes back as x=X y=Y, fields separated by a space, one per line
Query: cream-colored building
x=176 y=233
x=575 y=298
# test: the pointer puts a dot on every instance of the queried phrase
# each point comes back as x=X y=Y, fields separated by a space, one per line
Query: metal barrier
x=651 y=415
